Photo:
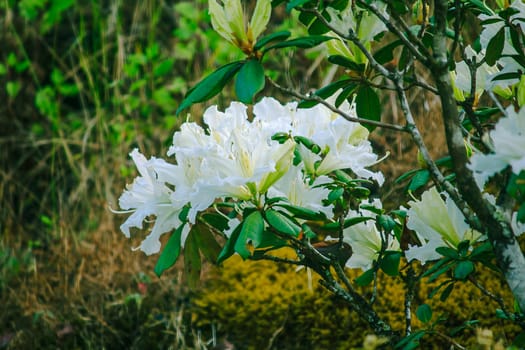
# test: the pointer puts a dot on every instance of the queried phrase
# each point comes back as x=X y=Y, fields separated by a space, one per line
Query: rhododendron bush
x=263 y=174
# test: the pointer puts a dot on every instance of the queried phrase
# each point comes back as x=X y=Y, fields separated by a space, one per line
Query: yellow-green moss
x=255 y=304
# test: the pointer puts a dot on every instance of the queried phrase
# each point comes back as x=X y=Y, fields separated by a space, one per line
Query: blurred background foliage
x=84 y=82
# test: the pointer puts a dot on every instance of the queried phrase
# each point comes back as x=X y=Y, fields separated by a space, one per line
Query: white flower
x=438 y=223
x=509 y=148
x=483 y=72
x=366 y=241
x=235 y=158
x=364 y=24
x=230 y=22
x=149 y=196
x=293 y=186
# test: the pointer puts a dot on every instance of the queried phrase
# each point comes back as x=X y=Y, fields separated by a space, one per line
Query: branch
x=436 y=174
x=335 y=109
x=408 y=39
x=487 y=220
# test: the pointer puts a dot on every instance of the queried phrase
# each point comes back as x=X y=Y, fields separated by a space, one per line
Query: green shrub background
x=258 y=304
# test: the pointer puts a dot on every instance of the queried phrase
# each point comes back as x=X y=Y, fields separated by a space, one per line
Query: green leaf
x=386 y=53
x=446 y=293
x=366 y=278
x=345 y=62
x=192 y=260
x=211 y=85
x=347 y=91
x=448 y=252
x=220 y=222
x=170 y=253
x=335 y=194
x=419 y=180
x=390 y=263
x=305 y=42
x=386 y=222
x=302 y=213
x=495 y=47
x=270 y=241
x=229 y=248
x=368 y=105
x=480 y=5
x=206 y=242
x=282 y=223
x=348 y=222
x=424 y=313
x=325 y=92
x=406 y=175
x=519 y=341
x=507 y=76
x=252 y=229
x=250 y=80
x=294 y=3
x=463 y=269
x=277 y=36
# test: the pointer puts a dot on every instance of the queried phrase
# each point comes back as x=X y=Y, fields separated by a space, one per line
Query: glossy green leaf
x=346 y=62
x=348 y=222
x=325 y=92
x=419 y=180
x=386 y=53
x=302 y=212
x=206 y=242
x=368 y=105
x=306 y=42
x=366 y=278
x=192 y=260
x=495 y=47
x=294 y=3
x=277 y=36
x=211 y=85
x=348 y=90
x=170 y=253
x=446 y=293
x=219 y=221
x=282 y=223
x=448 y=252
x=249 y=81
x=229 y=248
x=463 y=269
x=252 y=229
x=390 y=263
x=386 y=222
x=424 y=313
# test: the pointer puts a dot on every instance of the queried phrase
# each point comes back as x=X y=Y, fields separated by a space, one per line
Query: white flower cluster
x=509 y=148
x=437 y=223
x=235 y=157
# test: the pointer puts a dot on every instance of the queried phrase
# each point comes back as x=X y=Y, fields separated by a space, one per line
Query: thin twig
x=335 y=109
x=408 y=39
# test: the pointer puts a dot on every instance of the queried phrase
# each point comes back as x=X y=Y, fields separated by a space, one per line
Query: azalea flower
x=364 y=24
x=230 y=22
x=296 y=189
x=463 y=79
x=345 y=144
x=147 y=196
x=438 y=223
x=366 y=241
x=509 y=148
